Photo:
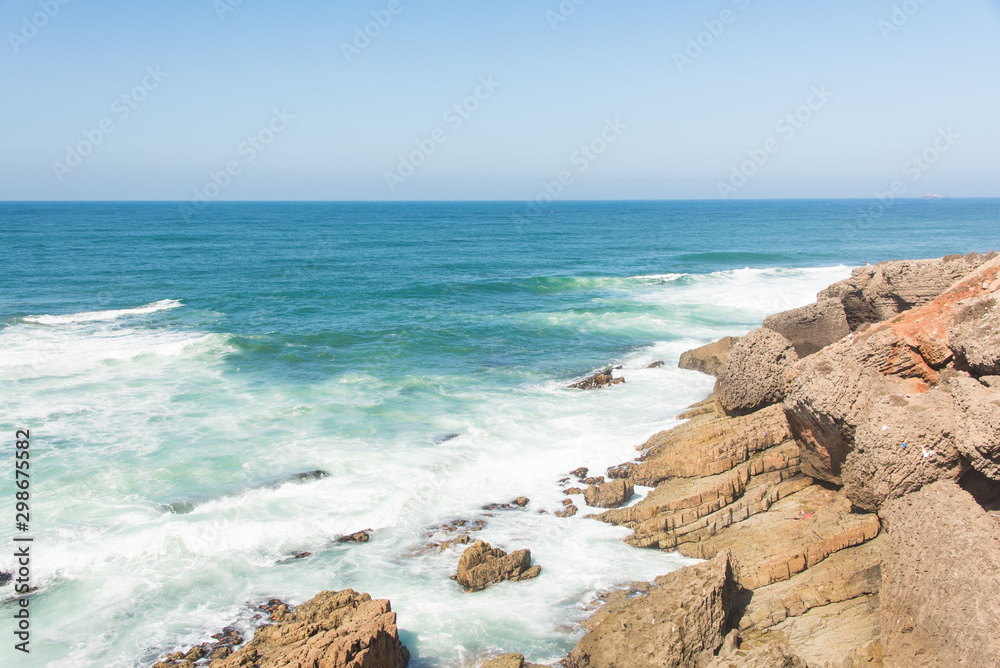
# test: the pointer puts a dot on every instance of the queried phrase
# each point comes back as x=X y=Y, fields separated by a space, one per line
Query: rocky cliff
x=843 y=482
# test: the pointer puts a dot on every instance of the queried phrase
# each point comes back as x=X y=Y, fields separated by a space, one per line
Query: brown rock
x=904 y=445
x=220 y=652
x=195 y=653
x=975 y=336
x=568 y=511
x=332 y=630
x=708 y=359
x=708 y=445
x=850 y=573
x=684 y=510
x=977 y=424
x=811 y=328
x=840 y=634
x=828 y=397
x=939 y=580
x=505 y=661
x=773 y=655
x=580 y=472
x=482 y=565
x=610 y=494
x=880 y=292
x=655 y=365
x=830 y=394
x=522 y=501
x=680 y=621
x=357 y=537
x=753 y=375
x=796 y=533
x=598 y=381
x=572 y=490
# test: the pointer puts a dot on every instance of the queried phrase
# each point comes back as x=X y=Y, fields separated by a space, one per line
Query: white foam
x=133 y=418
x=102 y=316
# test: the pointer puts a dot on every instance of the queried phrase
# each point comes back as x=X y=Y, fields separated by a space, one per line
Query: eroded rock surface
x=753 y=374
x=811 y=328
x=708 y=359
x=939 y=570
x=680 y=620
x=609 y=494
x=482 y=565
x=342 y=629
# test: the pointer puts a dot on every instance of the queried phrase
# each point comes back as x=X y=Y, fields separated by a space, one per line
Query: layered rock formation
x=341 y=629
x=482 y=565
x=681 y=620
x=846 y=470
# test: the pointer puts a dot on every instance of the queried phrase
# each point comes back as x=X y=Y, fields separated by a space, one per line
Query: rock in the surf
x=482 y=565
x=334 y=629
x=610 y=494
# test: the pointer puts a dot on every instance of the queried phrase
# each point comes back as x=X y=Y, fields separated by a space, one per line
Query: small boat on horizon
x=932 y=196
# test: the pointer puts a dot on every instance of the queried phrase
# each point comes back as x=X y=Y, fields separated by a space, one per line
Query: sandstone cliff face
x=342 y=629
x=890 y=415
x=874 y=294
x=830 y=396
x=681 y=620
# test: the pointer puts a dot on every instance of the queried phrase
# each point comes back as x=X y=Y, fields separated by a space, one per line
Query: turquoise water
x=418 y=353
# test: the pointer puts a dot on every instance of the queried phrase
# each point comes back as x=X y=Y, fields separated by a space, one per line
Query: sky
x=498 y=99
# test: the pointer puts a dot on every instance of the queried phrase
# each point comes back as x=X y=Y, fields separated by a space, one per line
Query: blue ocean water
x=418 y=353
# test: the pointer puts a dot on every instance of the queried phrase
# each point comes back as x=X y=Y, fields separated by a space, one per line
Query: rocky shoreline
x=842 y=485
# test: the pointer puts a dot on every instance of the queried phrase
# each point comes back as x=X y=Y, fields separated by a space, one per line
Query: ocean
x=176 y=371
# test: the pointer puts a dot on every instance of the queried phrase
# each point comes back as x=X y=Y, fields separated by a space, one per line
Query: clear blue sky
x=687 y=127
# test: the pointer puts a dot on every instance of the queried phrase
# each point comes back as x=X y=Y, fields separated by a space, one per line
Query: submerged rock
x=482 y=565
x=356 y=537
